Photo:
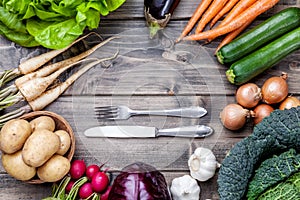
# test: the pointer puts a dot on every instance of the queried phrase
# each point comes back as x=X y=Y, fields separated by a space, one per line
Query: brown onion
x=261 y=111
x=275 y=89
x=289 y=102
x=234 y=116
x=248 y=95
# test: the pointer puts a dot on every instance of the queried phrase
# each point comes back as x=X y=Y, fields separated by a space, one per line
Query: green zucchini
x=264 y=58
x=275 y=26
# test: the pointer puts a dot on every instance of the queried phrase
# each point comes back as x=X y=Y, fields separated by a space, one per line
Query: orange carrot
x=232 y=35
x=254 y=10
x=210 y=13
x=195 y=17
x=224 y=10
x=236 y=10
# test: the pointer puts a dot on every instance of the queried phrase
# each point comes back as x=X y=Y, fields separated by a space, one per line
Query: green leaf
x=12 y=21
x=55 y=35
x=114 y=4
x=23 y=39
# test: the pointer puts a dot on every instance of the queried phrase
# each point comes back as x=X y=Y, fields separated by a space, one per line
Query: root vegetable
x=275 y=89
x=43 y=122
x=85 y=190
x=248 y=95
x=100 y=182
x=34 y=63
x=65 y=142
x=91 y=170
x=50 y=95
x=41 y=145
x=14 y=134
x=289 y=102
x=261 y=111
x=30 y=86
x=77 y=169
x=54 y=169
x=16 y=167
x=34 y=87
x=234 y=116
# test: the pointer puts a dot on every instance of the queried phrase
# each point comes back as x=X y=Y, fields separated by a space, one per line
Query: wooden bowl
x=60 y=124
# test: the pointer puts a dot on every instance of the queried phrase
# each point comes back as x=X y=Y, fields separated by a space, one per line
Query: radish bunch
x=84 y=182
x=96 y=181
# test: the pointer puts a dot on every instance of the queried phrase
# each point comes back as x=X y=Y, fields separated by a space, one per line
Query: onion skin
x=275 y=89
x=248 y=95
x=289 y=102
x=261 y=111
x=234 y=116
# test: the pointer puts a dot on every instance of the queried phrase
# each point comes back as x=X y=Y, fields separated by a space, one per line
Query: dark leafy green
x=273 y=171
x=51 y=23
x=276 y=133
x=287 y=190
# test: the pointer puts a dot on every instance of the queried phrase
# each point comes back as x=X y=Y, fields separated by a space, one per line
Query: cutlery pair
x=123 y=112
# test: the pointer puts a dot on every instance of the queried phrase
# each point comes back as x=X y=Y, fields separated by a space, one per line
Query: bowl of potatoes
x=37 y=147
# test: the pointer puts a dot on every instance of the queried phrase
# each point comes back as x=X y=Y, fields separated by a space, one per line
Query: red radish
x=85 y=190
x=104 y=196
x=77 y=169
x=69 y=186
x=100 y=182
x=91 y=170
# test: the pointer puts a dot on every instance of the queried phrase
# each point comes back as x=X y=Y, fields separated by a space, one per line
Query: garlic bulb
x=202 y=164
x=185 y=188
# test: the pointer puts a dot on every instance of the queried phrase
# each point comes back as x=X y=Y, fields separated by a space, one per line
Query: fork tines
x=106 y=112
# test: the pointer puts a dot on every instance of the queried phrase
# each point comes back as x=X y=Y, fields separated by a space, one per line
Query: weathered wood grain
x=176 y=80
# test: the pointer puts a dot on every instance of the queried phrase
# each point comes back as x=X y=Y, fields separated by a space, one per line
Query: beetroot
x=139 y=181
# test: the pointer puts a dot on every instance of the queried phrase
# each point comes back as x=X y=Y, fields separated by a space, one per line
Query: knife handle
x=197 y=131
x=190 y=112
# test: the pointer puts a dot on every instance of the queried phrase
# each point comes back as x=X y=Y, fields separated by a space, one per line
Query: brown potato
x=13 y=135
x=54 y=169
x=65 y=141
x=15 y=166
x=43 y=122
x=39 y=147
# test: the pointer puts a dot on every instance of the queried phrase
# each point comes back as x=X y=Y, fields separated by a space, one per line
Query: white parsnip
x=34 y=87
x=52 y=94
x=53 y=67
x=36 y=84
x=34 y=63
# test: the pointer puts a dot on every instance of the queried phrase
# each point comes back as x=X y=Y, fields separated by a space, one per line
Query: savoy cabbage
x=276 y=133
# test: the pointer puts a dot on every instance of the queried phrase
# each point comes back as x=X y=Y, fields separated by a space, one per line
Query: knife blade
x=196 y=131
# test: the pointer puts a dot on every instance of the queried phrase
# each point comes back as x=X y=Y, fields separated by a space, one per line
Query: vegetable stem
x=14 y=114
x=7 y=76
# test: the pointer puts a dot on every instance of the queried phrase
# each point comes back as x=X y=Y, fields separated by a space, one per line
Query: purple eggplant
x=158 y=13
x=139 y=181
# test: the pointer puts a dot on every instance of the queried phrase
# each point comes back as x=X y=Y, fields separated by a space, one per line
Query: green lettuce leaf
x=51 y=23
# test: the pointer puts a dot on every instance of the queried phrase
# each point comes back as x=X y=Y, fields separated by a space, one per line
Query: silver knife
x=197 y=131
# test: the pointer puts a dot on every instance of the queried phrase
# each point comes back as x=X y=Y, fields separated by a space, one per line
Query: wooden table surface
x=148 y=74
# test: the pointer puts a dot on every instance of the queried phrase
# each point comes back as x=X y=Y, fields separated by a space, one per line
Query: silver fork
x=123 y=112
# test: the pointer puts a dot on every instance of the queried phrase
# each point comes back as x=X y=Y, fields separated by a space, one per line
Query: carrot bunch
x=239 y=14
